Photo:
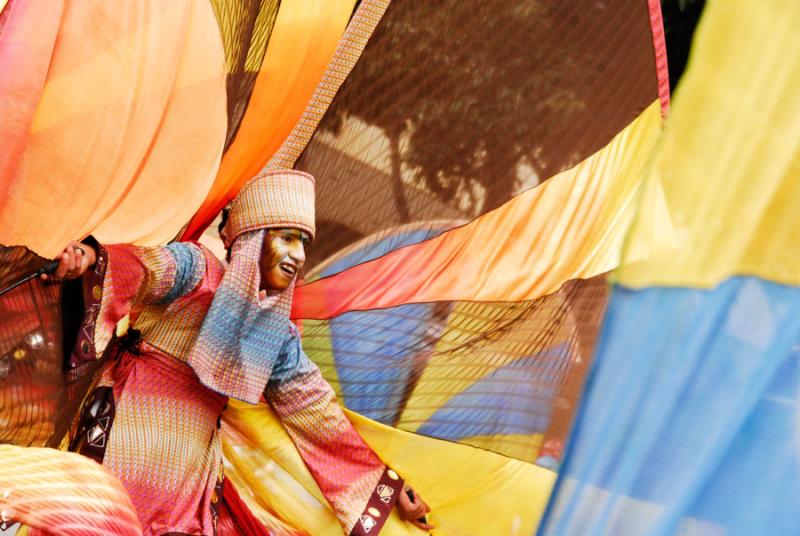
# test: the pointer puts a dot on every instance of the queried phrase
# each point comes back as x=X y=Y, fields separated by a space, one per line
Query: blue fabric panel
x=372 y=361
x=514 y=399
x=690 y=421
x=371 y=348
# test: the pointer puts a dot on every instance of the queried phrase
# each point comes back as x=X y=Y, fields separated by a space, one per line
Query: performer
x=201 y=333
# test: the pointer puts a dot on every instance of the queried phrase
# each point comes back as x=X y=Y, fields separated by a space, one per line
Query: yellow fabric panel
x=302 y=42
x=444 y=379
x=519 y=446
x=320 y=348
x=729 y=160
x=268 y=471
x=470 y=491
x=118 y=145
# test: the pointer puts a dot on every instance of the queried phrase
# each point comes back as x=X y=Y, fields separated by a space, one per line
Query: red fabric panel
x=235 y=518
x=660 y=49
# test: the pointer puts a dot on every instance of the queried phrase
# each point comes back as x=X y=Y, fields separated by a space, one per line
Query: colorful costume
x=200 y=335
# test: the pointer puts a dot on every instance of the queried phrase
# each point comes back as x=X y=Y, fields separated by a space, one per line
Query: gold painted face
x=282 y=257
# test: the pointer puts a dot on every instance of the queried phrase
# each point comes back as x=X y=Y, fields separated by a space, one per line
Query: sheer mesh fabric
x=245 y=27
x=456 y=106
x=38 y=398
x=502 y=376
x=31 y=378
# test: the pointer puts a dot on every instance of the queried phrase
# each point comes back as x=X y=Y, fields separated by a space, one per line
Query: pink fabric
x=345 y=468
x=165 y=445
x=660 y=49
x=27 y=38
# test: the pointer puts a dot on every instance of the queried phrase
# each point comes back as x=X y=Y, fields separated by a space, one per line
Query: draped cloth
x=525 y=122
x=691 y=418
x=121 y=119
x=115 y=110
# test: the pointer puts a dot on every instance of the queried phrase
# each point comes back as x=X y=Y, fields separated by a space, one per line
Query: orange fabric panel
x=301 y=45
x=27 y=36
x=128 y=132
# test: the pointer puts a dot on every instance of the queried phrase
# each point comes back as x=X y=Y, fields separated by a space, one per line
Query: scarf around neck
x=242 y=336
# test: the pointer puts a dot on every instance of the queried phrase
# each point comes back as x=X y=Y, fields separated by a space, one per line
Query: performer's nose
x=298 y=253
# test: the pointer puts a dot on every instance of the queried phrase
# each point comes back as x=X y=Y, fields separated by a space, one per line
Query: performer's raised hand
x=74 y=261
x=412 y=508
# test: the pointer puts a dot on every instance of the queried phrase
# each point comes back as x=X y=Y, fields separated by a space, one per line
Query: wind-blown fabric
x=46 y=488
x=479 y=325
x=304 y=37
x=468 y=489
x=690 y=420
x=435 y=125
x=118 y=119
x=134 y=116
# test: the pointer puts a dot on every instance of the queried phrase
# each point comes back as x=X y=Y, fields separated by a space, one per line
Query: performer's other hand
x=413 y=511
x=74 y=261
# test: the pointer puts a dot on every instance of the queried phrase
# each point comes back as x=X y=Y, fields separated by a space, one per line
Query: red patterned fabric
x=164 y=444
x=235 y=519
x=344 y=467
x=660 y=51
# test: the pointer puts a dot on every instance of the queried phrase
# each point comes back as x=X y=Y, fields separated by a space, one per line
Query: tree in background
x=463 y=87
x=462 y=104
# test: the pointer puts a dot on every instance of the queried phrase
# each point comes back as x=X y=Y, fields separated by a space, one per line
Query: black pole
x=48 y=268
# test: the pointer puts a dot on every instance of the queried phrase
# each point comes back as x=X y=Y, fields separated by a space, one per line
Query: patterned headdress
x=242 y=334
x=283 y=198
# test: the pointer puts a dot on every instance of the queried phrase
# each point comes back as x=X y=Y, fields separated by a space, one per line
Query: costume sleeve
x=127 y=276
x=357 y=484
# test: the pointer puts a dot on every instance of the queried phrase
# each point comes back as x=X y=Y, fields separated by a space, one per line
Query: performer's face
x=282 y=257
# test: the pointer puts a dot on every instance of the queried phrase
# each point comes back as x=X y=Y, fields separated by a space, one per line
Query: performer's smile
x=284 y=254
